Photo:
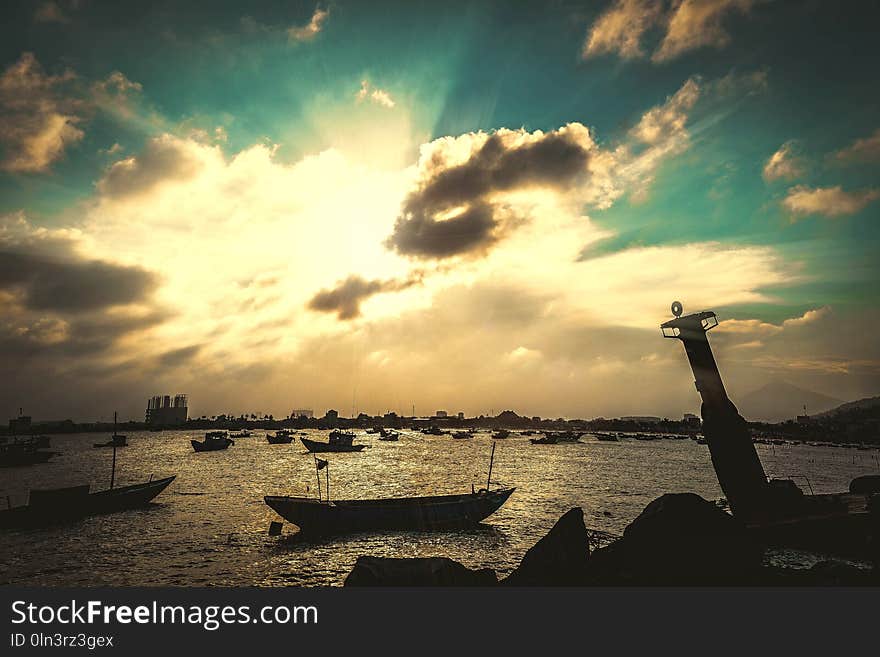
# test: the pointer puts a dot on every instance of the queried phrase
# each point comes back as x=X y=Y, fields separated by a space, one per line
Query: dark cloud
x=180 y=356
x=557 y=159
x=44 y=282
x=345 y=299
x=164 y=158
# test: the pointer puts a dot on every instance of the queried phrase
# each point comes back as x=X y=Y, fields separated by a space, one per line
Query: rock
x=428 y=571
x=865 y=485
x=560 y=558
x=681 y=539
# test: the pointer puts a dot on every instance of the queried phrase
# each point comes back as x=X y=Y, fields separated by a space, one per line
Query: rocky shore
x=677 y=540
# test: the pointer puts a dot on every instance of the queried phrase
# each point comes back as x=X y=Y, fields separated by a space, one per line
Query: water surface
x=210 y=526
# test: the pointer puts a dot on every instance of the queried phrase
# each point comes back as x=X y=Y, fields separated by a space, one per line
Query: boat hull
x=17 y=458
x=316 y=446
x=212 y=446
x=76 y=503
x=407 y=513
x=279 y=440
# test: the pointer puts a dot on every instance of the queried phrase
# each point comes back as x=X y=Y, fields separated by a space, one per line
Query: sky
x=461 y=206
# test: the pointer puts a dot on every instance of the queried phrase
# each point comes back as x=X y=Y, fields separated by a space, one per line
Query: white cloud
x=827 y=201
x=621 y=27
x=862 y=150
x=311 y=29
x=783 y=164
x=686 y=25
x=38 y=122
x=696 y=24
x=378 y=96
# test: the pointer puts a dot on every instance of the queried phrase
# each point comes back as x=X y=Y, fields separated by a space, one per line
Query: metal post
x=327 y=468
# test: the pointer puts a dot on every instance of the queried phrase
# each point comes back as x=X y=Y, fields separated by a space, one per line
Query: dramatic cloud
x=783 y=164
x=454 y=209
x=378 y=96
x=696 y=24
x=621 y=27
x=862 y=150
x=687 y=25
x=345 y=299
x=311 y=29
x=46 y=274
x=37 y=121
x=165 y=158
x=828 y=201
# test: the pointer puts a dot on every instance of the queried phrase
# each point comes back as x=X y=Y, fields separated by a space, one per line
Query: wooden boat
x=214 y=441
x=19 y=453
x=567 y=436
x=549 y=439
x=282 y=437
x=501 y=434
x=403 y=513
x=244 y=433
x=116 y=440
x=607 y=437
x=337 y=445
x=389 y=436
x=65 y=504
x=462 y=435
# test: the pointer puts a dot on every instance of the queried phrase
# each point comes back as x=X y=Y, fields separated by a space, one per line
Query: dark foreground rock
x=679 y=540
x=561 y=558
x=430 y=571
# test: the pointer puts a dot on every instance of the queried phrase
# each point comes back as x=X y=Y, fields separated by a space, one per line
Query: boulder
x=865 y=485
x=427 y=571
x=560 y=558
x=682 y=539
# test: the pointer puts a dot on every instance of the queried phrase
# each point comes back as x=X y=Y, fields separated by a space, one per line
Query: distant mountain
x=865 y=404
x=780 y=400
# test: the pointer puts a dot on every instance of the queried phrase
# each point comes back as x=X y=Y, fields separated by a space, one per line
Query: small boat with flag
x=426 y=513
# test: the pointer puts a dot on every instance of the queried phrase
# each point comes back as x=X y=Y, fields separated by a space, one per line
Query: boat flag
x=321 y=463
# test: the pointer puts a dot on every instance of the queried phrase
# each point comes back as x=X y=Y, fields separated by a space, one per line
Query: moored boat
x=214 y=441
x=244 y=433
x=403 y=513
x=501 y=434
x=462 y=435
x=338 y=442
x=280 y=437
x=22 y=452
x=71 y=503
x=548 y=439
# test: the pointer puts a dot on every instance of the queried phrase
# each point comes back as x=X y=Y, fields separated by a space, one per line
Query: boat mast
x=491 y=461
x=113 y=470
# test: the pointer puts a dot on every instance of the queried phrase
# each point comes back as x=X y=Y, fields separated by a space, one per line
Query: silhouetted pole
x=317 y=476
x=491 y=461
x=734 y=458
x=113 y=440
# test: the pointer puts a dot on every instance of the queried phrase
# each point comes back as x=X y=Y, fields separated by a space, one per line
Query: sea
x=210 y=527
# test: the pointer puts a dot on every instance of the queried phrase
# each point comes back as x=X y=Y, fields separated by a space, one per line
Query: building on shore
x=298 y=413
x=165 y=411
